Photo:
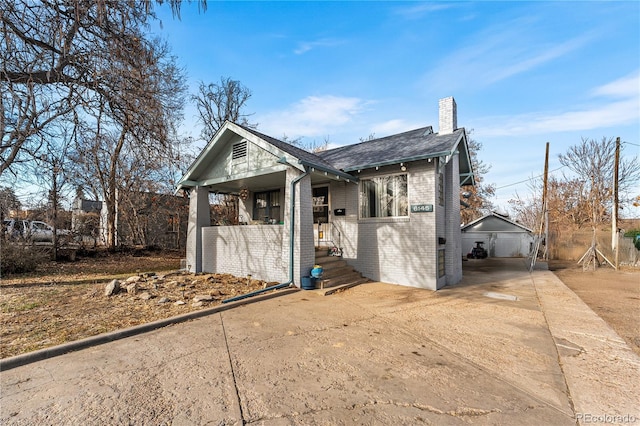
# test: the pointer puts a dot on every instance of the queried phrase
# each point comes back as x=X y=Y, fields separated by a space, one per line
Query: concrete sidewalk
x=503 y=347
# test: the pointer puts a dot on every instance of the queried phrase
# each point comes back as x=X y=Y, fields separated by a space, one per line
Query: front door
x=321 y=214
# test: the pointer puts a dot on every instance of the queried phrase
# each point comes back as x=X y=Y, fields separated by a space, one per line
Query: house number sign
x=421 y=208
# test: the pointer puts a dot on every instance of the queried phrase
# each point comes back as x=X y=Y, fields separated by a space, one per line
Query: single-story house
x=501 y=237
x=390 y=205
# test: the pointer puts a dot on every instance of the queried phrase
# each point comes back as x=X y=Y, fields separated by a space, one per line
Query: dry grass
x=65 y=301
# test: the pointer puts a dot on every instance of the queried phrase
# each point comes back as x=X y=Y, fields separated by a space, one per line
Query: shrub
x=20 y=258
x=635 y=234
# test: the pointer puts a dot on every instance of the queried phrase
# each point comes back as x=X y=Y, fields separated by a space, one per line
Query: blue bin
x=308 y=283
x=317 y=272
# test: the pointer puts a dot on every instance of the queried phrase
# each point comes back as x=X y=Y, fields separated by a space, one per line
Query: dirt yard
x=66 y=301
x=613 y=295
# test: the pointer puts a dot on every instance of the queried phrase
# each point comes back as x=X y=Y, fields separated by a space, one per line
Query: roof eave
x=339 y=174
x=397 y=161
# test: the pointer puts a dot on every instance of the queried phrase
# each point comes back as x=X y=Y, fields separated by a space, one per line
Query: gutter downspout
x=292 y=206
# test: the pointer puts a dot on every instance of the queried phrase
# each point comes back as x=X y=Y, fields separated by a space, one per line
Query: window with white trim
x=266 y=206
x=384 y=196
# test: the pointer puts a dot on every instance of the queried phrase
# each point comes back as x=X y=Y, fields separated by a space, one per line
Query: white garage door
x=509 y=246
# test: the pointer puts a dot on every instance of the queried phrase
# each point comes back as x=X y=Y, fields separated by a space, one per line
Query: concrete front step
x=341 y=271
x=330 y=267
x=336 y=272
x=320 y=260
x=326 y=291
x=339 y=279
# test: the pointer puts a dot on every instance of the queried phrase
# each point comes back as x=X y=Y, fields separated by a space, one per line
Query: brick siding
x=254 y=250
x=393 y=250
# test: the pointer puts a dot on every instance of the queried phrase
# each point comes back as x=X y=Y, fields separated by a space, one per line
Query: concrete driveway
x=503 y=347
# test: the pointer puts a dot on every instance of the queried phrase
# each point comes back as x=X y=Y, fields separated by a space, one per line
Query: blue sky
x=522 y=73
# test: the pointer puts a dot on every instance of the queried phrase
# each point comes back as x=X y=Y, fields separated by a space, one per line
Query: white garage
x=500 y=236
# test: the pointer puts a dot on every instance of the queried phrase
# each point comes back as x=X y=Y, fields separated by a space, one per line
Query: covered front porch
x=283 y=216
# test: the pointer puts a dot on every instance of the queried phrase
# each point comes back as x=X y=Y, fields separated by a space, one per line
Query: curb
x=46 y=353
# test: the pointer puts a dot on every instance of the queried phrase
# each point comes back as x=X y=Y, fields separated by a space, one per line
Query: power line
x=551 y=171
x=527 y=180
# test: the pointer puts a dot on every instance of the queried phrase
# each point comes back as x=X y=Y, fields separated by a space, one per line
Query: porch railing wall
x=254 y=250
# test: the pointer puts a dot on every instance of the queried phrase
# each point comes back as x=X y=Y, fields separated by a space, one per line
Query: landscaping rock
x=132 y=288
x=203 y=298
x=145 y=296
x=197 y=304
x=179 y=302
x=164 y=300
x=112 y=288
x=133 y=279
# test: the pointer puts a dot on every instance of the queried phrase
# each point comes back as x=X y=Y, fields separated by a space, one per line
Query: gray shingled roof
x=413 y=145
x=299 y=153
x=409 y=146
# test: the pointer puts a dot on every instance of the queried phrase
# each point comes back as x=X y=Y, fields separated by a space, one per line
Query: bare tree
x=56 y=56
x=592 y=164
x=310 y=146
x=119 y=144
x=581 y=197
x=51 y=169
x=90 y=61
x=218 y=102
x=371 y=137
x=477 y=197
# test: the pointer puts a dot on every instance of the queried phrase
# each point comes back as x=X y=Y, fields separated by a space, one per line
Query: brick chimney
x=448 y=116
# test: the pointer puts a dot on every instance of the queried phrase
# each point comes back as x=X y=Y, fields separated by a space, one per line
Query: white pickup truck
x=32 y=230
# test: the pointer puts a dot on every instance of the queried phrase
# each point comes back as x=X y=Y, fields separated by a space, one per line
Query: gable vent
x=239 y=151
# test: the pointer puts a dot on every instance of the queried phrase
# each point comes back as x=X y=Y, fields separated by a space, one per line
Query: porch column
x=303 y=249
x=199 y=217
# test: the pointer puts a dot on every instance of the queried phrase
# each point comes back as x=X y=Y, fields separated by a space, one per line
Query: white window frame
x=326 y=203
x=398 y=210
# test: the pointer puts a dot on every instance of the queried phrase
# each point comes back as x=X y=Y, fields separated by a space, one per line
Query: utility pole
x=614 y=219
x=545 y=204
x=544 y=218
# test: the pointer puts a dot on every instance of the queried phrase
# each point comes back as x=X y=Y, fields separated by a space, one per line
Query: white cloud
x=393 y=126
x=499 y=54
x=623 y=87
x=418 y=11
x=305 y=46
x=313 y=116
x=614 y=104
x=524 y=61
